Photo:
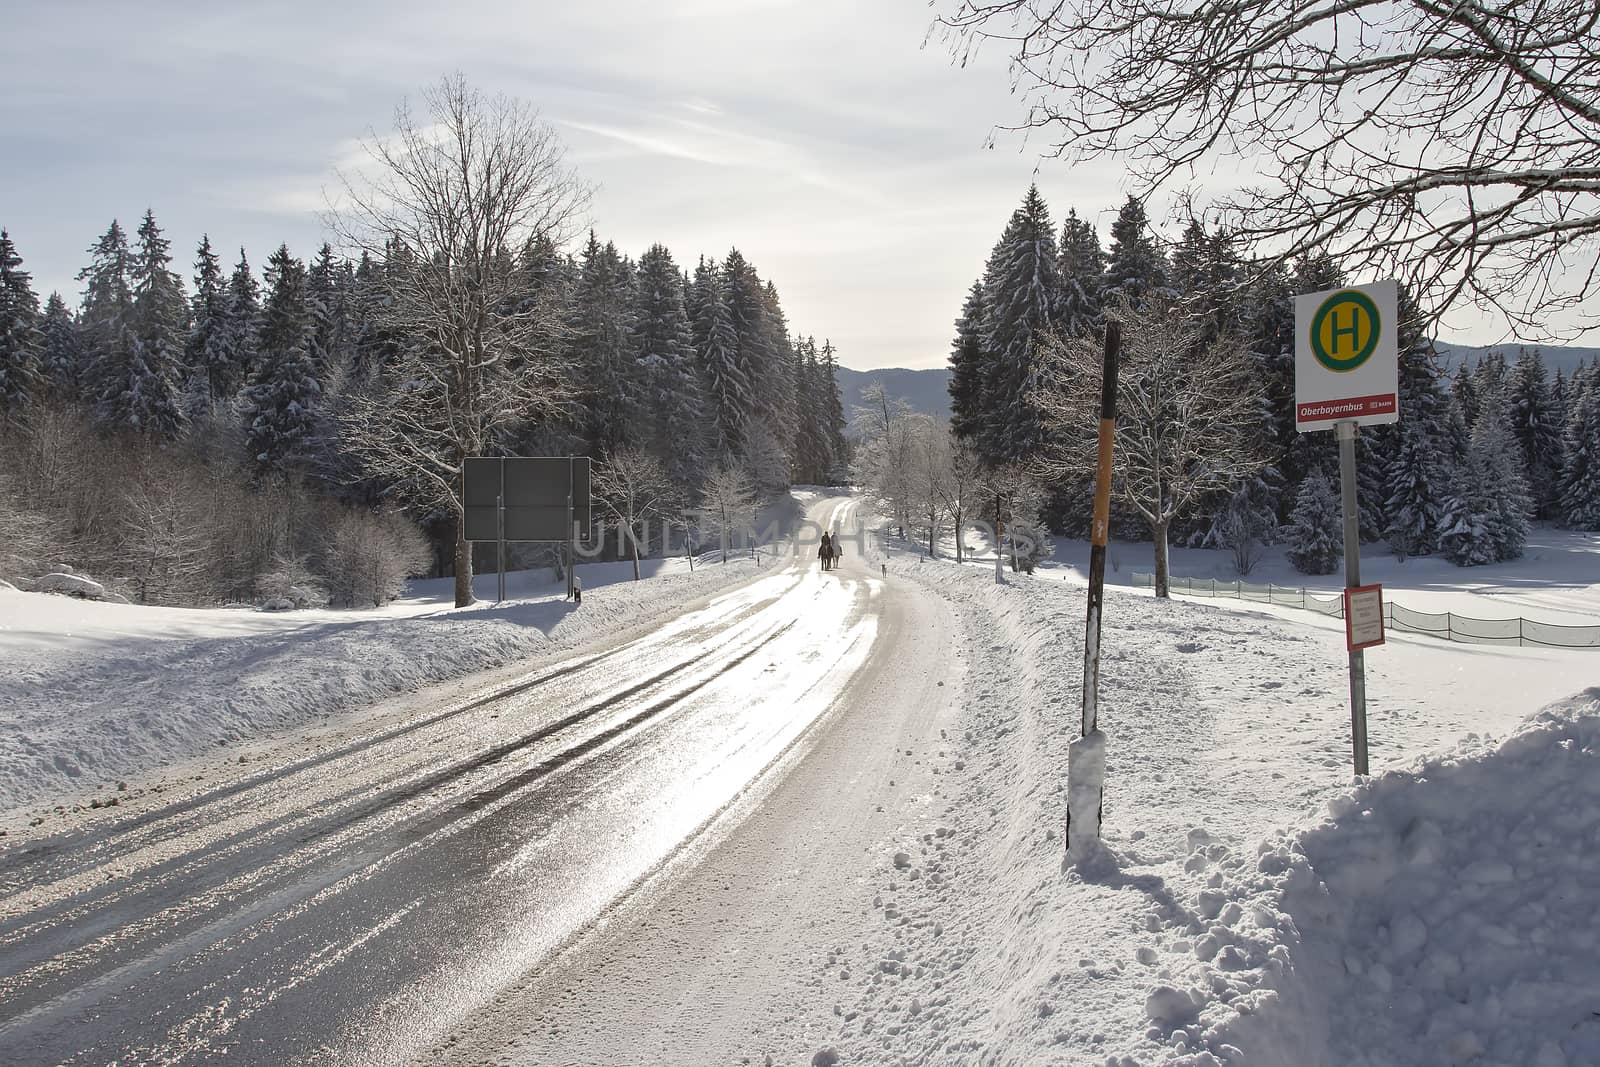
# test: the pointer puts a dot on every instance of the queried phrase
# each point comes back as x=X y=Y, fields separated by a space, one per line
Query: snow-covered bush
x=368 y=557
x=1315 y=533
x=1247 y=524
x=290 y=579
x=27 y=536
x=1031 y=544
x=69 y=585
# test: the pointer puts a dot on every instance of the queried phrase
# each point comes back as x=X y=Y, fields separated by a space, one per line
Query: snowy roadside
x=1207 y=940
x=91 y=693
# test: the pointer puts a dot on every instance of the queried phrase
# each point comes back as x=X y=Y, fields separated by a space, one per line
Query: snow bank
x=1215 y=928
x=91 y=692
x=1444 y=914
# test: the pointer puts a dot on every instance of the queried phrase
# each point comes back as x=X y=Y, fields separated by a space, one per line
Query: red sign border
x=1377 y=404
x=1349 y=640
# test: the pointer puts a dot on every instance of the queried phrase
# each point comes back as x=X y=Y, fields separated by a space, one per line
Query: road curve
x=351 y=905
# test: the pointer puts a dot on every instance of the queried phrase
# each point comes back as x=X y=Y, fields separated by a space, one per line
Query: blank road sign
x=536 y=490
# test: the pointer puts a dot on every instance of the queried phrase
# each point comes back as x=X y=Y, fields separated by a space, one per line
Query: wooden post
x=1086 y=758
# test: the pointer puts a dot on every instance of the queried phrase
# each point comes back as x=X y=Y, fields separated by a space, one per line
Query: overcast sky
x=823 y=138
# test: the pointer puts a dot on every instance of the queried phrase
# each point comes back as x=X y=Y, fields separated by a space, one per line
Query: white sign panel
x=1363 y=617
x=1346 y=357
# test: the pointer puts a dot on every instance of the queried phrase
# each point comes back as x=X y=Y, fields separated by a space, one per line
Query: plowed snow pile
x=1254 y=904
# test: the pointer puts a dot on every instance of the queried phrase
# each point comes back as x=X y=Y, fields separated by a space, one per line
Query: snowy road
x=353 y=905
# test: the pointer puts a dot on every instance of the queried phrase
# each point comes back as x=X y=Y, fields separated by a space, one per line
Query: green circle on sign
x=1345 y=330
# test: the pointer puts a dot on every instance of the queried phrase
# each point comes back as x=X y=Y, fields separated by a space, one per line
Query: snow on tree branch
x=1454 y=145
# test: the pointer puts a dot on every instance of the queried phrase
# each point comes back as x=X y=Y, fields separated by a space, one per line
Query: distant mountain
x=926 y=391
x=1566 y=357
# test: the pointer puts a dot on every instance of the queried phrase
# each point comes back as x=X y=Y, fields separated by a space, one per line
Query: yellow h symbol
x=1352 y=331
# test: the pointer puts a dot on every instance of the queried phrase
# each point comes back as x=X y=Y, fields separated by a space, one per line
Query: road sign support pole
x=572 y=555
x=1346 y=433
x=500 y=539
x=1086 y=757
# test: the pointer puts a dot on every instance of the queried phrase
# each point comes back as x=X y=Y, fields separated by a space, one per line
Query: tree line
x=202 y=443
x=1207 y=450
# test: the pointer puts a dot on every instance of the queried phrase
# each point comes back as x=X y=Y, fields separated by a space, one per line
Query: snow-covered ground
x=95 y=692
x=1255 y=905
x=1555 y=581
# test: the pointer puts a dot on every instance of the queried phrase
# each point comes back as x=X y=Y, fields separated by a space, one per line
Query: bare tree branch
x=442 y=205
x=1453 y=144
x=1183 y=411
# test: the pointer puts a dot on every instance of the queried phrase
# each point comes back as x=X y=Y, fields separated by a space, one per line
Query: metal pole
x=1346 y=433
x=500 y=536
x=572 y=525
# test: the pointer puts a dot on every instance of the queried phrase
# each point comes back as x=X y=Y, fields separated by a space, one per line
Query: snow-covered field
x=95 y=692
x=1255 y=906
x=1554 y=581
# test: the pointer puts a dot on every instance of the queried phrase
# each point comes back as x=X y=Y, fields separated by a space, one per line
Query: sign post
x=1347 y=375
x=500 y=530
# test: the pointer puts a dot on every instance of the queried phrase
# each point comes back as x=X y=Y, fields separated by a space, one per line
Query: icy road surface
x=353 y=905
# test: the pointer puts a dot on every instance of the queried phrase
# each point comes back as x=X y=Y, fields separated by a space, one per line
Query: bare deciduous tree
x=886 y=460
x=443 y=202
x=962 y=488
x=1452 y=143
x=1183 y=406
x=727 y=502
x=933 y=467
x=633 y=486
x=1017 y=497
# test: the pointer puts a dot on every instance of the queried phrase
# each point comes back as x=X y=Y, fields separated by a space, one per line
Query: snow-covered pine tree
x=236 y=352
x=1136 y=265
x=1580 y=473
x=325 y=306
x=1022 y=301
x=675 y=403
x=105 y=313
x=1247 y=520
x=1485 y=512
x=61 y=356
x=1464 y=392
x=1083 y=276
x=206 y=347
x=716 y=345
x=1205 y=272
x=20 y=339
x=603 y=353
x=761 y=352
x=1269 y=325
x=783 y=404
x=1536 y=423
x=1316 y=527
x=147 y=397
x=810 y=449
x=969 y=372
x=1490 y=377
x=279 y=403
x=833 y=412
x=1417 y=479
